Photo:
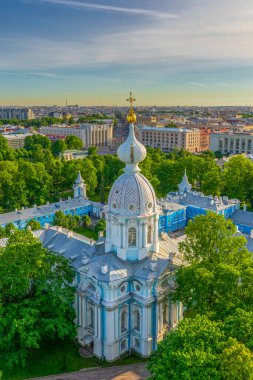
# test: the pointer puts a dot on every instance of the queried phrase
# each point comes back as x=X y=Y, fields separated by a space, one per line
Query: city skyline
x=176 y=53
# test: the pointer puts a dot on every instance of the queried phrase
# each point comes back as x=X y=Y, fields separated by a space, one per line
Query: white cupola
x=132 y=213
x=79 y=187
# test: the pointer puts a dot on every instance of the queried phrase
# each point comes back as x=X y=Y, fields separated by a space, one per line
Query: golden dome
x=131 y=117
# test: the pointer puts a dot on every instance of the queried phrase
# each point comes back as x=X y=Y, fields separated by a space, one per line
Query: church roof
x=185 y=185
x=197 y=199
x=132 y=194
x=243 y=217
x=38 y=211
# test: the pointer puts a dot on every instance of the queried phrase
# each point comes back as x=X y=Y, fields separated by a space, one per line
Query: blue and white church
x=124 y=280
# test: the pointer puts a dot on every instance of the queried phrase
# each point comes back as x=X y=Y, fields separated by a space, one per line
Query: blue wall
x=172 y=221
x=49 y=218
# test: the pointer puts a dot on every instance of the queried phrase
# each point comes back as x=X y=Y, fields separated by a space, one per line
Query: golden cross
x=131 y=99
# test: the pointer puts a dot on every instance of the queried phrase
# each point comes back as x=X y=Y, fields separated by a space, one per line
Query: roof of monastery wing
x=38 y=211
x=198 y=199
x=77 y=247
x=242 y=217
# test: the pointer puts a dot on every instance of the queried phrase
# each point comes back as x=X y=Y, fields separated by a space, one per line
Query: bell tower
x=79 y=187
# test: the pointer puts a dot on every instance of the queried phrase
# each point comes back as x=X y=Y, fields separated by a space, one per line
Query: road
x=126 y=372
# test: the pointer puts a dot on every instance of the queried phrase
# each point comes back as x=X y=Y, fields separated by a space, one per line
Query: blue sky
x=168 y=52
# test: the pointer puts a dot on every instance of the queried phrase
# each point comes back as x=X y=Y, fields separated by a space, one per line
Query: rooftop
x=37 y=211
x=243 y=217
x=200 y=200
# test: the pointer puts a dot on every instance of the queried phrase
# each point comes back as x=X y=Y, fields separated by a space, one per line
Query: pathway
x=124 y=372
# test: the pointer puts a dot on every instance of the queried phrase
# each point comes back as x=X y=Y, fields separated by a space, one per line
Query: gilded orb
x=131 y=117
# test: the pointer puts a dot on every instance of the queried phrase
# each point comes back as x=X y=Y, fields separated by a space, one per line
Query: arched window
x=137 y=344
x=149 y=237
x=165 y=314
x=123 y=321
x=123 y=345
x=90 y=315
x=132 y=237
x=137 y=320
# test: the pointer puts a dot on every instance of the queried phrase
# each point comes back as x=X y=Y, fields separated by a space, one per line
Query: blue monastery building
x=79 y=205
x=124 y=280
x=181 y=206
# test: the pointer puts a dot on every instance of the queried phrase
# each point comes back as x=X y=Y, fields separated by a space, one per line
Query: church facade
x=124 y=280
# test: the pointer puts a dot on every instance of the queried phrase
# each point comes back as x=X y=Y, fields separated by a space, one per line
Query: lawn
x=86 y=232
x=58 y=358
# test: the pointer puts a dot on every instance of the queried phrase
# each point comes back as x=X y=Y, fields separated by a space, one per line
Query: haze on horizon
x=177 y=52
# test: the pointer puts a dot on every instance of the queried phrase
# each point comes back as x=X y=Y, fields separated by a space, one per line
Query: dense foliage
x=200 y=349
x=214 y=340
x=35 y=174
x=36 y=297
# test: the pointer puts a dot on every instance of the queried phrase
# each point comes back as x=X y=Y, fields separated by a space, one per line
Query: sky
x=168 y=52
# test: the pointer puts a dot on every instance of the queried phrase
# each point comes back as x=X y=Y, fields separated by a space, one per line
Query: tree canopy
x=36 y=297
x=215 y=285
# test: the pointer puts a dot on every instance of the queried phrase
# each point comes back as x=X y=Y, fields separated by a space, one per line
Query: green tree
x=199 y=349
x=88 y=172
x=73 y=142
x=219 y=275
x=218 y=154
x=171 y=125
x=236 y=361
x=189 y=352
x=36 y=297
x=240 y=326
x=60 y=219
x=100 y=226
x=34 y=225
x=58 y=147
x=86 y=220
x=92 y=150
x=211 y=182
x=9 y=229
x=238 y=178
x=36 y=139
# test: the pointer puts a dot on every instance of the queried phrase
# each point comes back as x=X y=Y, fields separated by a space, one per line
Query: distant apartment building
x=74 y=154
x=232 y=143
x=16 y=113
x=149 y=121
x=90 y=134
x=168 y=139
x=204 y=140
x=16 y=141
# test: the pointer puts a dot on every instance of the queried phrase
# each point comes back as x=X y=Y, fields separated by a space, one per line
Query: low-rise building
x=73 y=154
x=90 y=134
x=168 y=139
x=17 y=140
x=44 y=214
x=16 y=113
x=232 y=143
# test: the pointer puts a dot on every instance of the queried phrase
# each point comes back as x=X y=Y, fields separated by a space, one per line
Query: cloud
x=111 y=8
x=202 y=39
x=222 y=84
x=53 y=75
x=197 y=84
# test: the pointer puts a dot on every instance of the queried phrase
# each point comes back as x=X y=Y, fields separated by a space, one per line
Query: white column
x=84 y=312
x=139 y=226
x=99 y=321
x=96 y=320
x=144 y=235
x=79 y=310
x=124 y=235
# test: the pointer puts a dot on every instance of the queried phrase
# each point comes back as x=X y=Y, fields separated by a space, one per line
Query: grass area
x=86 y=232
x=58 y=358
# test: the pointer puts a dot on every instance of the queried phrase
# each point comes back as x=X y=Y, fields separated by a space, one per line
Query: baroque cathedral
x=124 y=280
